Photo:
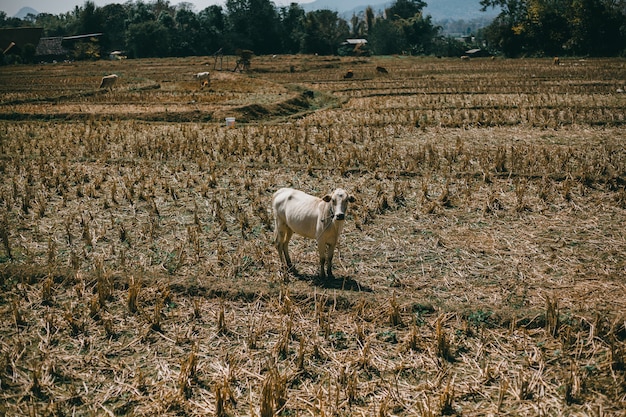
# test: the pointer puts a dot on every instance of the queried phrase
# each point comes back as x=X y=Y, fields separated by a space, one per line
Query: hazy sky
x=11 y=7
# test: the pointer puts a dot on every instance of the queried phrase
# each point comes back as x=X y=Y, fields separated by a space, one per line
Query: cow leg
x=321 y=250
x=286 y=256
x=329 y=257
x=282 y=235
x=279 y=240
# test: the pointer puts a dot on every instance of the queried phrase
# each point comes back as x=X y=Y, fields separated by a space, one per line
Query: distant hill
x=439 y=9
x=24 y=11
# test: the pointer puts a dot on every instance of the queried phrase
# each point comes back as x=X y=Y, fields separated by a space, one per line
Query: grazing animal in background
x=348 y=74
x=108 y=81
x=382 y=70
x=556 y=60
x=465 y=58
x=316 y=218
x=204 y=78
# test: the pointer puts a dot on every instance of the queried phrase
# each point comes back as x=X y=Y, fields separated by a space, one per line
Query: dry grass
x=480 y=271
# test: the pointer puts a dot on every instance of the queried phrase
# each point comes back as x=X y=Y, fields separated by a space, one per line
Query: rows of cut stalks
x=124 y=185
x=480 y=269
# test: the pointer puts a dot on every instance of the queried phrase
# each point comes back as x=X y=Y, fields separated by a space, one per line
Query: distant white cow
x=316 y=218
x=204 y=78
x=108 y=81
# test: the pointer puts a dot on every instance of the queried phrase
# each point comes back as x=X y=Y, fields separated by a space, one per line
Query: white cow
x=204 y=78
x=317 y=218
x=108 y=81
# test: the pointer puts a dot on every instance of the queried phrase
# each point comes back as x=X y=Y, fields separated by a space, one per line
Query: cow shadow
x=336 y=283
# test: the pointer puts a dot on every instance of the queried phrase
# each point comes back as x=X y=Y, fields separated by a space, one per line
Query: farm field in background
x=480 y=272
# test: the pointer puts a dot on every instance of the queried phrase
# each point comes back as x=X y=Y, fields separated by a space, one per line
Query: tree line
x=160 y=29
x=558 y=27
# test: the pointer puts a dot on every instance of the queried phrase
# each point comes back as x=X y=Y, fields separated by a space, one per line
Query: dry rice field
x=481 y=272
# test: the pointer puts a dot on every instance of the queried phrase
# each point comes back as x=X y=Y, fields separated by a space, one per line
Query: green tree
x=419 y=33
x=547 y=27
x=254 y=25
x=11 y=22
x=52 y=25
x=597 y=28
x=212 y=24
x=404 y=28
x=386 y=38
x=404 y=9
x=89 y=21
x=139 y=12
x=113 y=18
x=292 y=20
x=187 y=33
x=370 y=18
x=147 y=39
x=324 y=31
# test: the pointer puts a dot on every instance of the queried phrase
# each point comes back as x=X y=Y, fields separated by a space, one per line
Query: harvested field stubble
x=481 y=270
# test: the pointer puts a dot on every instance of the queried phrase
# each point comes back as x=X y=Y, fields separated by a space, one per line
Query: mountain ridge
x=24 y=11
x=438 y=9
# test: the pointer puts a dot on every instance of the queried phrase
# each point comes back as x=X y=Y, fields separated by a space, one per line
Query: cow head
x=338 y=200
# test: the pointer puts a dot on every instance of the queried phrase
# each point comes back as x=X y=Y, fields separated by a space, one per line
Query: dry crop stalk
x=103 y=285
x=197 y=312
x=193 y=235
x=360 y=333
x=46 y=291
x=36 y=387
x=221 y=321
x=573 y=384
x=281 y=349
x=446 y=398
x=124 y=235
x=364 y=358
x=4 y=235
x=413 y=339
x=352 y=385
x=267 y=398
x=384 y=406
x=567 y=190
x=108 y=327
x=616 y=355
x=395 y=319
x=423 y=407
x=134 y=286
x=520 y=191
x=273 y=393
x=94 y=308
x=443 y=345
x=504 y=387
x=220 y=410
x=76 y=326
x=444 y=198
x=301 y=352
x=51 y=252
x=87 y=239
x=552 y=317
x=18 y=319
x=188 y=372
x=156 y=316
x=253 y=336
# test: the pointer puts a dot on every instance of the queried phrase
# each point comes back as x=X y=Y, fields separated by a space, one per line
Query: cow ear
x=351 y=199
x=327 y=198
